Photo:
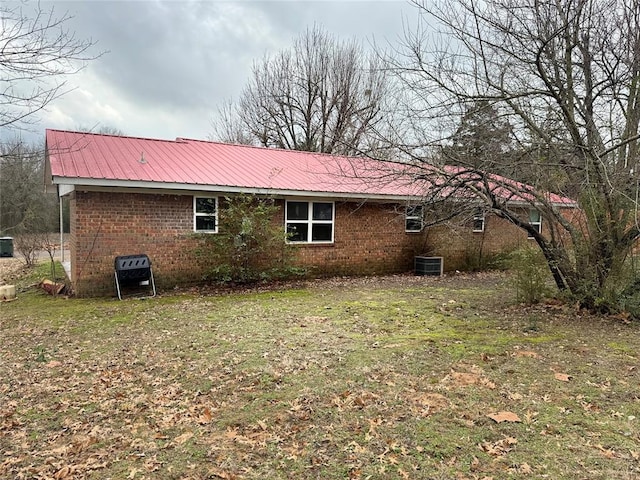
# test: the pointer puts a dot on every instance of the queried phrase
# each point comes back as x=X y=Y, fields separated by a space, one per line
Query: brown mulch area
x=10 y=268
x=403 y=280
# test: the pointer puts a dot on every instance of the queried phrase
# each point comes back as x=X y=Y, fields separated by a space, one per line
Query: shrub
x=531 y=274
x=249 y=247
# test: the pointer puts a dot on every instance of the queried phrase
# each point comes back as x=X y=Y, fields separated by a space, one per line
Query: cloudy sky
x=167 y=65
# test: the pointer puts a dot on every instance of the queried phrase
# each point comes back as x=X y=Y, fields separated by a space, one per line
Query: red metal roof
x=106 y=160
x=103 y=159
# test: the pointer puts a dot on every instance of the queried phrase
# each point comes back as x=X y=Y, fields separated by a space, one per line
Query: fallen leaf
x=218 y=473
x=525 y=469
x=183 y=438
x=504 y=417
x=53 y=364
x=563 y=377
x=206 y=416
x=499 y=448
x=607 y=452
x=64 y=472
x=526 y=353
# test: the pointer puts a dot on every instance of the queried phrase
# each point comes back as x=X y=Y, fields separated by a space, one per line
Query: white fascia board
x=72 y=184
x=522 y=203
x=65 y=189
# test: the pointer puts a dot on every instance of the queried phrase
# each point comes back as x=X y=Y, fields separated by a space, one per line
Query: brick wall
x=370 y=238
x=105 y=225
x=464 y=249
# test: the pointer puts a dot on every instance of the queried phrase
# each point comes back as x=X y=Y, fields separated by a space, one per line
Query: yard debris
x=503 y=416
x=7 y=293
x=526 y=354
x=52 y=288
x=182 y=389
x=562 y=377
x=499 y=448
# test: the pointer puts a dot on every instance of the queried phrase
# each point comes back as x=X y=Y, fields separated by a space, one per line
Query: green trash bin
x=6 y=246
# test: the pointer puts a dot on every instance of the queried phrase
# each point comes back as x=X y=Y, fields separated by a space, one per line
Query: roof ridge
x=96 y=134
x=215 y=142
x=274 y=149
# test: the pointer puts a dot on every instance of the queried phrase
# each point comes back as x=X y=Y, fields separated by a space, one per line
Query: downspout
x=61 y=226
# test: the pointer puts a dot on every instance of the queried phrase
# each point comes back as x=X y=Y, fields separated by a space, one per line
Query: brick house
x=347 y=216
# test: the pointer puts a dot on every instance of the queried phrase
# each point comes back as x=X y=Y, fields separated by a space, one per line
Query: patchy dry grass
x=369 y=378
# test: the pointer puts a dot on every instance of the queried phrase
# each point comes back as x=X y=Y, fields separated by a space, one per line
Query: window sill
x=311 y=244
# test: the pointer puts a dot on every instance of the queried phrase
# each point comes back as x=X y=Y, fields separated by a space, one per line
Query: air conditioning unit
x=429 y=266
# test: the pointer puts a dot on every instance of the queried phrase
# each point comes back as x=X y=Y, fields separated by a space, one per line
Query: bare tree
x=321 y=95
x=101 y=130
x=566 y=75
x=24 y=205
x=36 y=53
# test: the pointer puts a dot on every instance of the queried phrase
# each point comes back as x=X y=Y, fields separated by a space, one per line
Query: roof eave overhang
x=68 y=185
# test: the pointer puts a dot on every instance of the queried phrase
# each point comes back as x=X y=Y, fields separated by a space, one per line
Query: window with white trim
x=205 y=214
x=309 y=222
x=535 y=220
x=413 y=220
x=478 y=221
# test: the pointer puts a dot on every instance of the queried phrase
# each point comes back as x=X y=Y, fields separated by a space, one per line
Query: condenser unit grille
x=429 y=266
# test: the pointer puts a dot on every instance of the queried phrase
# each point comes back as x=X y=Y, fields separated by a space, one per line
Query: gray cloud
x=168 y=65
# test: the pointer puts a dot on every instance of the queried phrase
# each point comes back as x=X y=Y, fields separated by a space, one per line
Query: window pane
x=206 y=205
x=205 y=223
x=297 y=232
x=322 y=232
x=323 y=211
x=534 y=216
x=297 y=211
x=413 y=225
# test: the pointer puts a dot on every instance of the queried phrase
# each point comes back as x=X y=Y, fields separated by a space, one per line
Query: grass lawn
x=397 y=377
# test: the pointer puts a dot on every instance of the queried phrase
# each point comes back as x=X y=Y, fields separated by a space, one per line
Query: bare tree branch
x=320 y=95
x=565 y=75
x=36 y=53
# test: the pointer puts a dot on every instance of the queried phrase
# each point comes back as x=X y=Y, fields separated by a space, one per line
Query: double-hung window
x=309 y=222
x=535 y=220
x=478 y=221
x=413 y=220
x=205 y=214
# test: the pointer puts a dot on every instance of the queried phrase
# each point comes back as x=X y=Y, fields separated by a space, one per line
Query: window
x=413 y=218
x=478 y=221
x=309 y=222
x=535 y=220
x=205 y=214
